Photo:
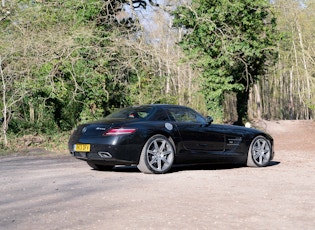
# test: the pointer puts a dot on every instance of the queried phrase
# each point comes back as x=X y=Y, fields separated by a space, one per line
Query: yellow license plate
x=82 y=147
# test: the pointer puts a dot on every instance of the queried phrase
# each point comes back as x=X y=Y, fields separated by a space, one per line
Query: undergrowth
x=57 y=143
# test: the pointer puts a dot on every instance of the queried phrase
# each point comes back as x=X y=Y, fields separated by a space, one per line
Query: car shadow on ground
x=210 y=167
x=190 y=167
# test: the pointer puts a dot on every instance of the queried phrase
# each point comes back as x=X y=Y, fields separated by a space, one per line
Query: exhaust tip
x=105 y=155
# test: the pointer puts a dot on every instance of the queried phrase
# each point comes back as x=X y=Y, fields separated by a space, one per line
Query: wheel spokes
x=261 y=151
x=159 y=153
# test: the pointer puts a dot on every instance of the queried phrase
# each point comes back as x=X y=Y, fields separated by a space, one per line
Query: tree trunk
x=4 y=126
x=32 y=112
x=257 y=101
x=307 y=75
x=230 y=108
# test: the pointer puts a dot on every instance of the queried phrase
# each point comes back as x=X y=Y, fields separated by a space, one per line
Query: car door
x=199 y=139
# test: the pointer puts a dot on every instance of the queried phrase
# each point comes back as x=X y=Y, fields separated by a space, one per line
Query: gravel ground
x=55 y=191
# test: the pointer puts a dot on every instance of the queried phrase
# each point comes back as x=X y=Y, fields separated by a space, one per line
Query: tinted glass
x=160 y=115
x=186 y=115
x=131 y=113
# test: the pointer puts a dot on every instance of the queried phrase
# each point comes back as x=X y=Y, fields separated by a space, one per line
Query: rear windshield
x=131 y=113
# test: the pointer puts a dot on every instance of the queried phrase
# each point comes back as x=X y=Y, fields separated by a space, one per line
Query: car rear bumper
x=113 y=154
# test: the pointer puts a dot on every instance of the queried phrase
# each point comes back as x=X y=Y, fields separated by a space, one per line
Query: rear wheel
x=157 y=155
x=260 y=152
x=100 y=167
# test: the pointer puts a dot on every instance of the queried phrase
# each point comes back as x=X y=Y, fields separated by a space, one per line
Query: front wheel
x=157 y=155
x=260 y=152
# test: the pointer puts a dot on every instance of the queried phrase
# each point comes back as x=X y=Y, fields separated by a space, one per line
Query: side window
x=138 y=114
x=186 y=115
x=162 y=116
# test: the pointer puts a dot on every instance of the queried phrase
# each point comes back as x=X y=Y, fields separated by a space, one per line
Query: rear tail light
x=119 y=131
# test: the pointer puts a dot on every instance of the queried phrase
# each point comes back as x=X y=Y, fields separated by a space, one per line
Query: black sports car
x=154 y=137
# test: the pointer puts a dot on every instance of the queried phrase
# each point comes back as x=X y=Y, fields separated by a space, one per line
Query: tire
x=157 y=155
x=260 y=152
x=100 y=167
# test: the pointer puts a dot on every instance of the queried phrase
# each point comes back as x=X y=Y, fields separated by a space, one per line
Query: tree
x=232 y=43
x=80 y=61
x=45 y=66
x=288 y=92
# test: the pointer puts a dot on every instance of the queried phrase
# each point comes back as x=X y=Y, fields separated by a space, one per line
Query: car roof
x=162 y=105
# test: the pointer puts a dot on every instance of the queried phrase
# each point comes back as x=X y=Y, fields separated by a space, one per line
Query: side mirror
x=209 y=120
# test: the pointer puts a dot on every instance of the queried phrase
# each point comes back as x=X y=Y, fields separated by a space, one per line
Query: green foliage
x=73 y=61
x=64 y=64
x=230 y=42
x=66 y=57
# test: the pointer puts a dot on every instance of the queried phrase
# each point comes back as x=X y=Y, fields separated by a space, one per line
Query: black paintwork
x=196 y=139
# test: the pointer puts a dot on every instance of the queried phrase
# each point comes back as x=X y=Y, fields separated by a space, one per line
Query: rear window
x=131 y=113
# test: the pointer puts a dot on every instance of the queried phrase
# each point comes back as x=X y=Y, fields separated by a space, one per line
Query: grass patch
x=36 y=144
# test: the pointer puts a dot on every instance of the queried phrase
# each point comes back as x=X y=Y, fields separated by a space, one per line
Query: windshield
x=131 y=113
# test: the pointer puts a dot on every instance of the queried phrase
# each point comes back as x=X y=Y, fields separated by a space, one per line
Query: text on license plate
x=82 y=147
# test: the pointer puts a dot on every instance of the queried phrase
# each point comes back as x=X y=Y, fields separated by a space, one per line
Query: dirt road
x=59 y=192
